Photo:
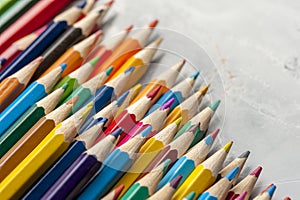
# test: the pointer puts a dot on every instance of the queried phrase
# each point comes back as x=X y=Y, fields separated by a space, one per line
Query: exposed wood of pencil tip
x=50 y=79
x=50 y=101
x=90 y=135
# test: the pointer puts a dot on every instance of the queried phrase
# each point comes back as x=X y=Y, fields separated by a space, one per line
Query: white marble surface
x=255 y=48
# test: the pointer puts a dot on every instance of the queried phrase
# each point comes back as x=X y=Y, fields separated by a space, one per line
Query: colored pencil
x=72 y=35
x=168 y=190
x=287 y=198
x=108 y=112
x=238 y=162
x=148 y=152
x=204 y=175
x=145 y=187
x=247 y=184
x=114 y=194
x=188 y=108
x=114 y=166
x=41 y=158
x=13 y=85
x=128 y=48
x=133 y=92
x=34 y=92
x=141 y=60
x=76 y=78
x=187 y=163
x=166 y=80
x=76 y=54
x=172 y=151
x=6 y=4
x=88 y=88
x=81 y=144
x=40 y=44
x=155 y=119
x=14 y=12
x=132 y=115
x=34 y=18
x=28 y=119
x=33 y=137
x=190 y=196
x=104 y=50
x=242 y=196
x=203 y=118
x=267 y=193
x=179 y=92
x=109 y=91
x=220 y=189
x=82 y=169
x=19 y=46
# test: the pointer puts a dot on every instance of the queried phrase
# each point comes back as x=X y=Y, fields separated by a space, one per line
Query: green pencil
x=5 y=4
x=76 y=78
x=28 y=119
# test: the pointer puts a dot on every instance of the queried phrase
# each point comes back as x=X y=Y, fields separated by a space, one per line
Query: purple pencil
x=80 y=172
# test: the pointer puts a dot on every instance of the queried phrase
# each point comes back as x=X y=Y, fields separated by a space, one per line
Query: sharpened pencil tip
x=121 y=99
x=215 y=133
x=168 y=104
x=178 y=121
x=209 y=140
x=109 y=70
x=190 y=196
x=117 y=132
x=94 y=61
x=257 y=171
x=38 y=59
x=215 y=105
x=81 y=4
x=271 y=190
x=102 y=120
x=153 y=92
x=204 y=89
x=98 y=34
x=242 y=196
x=129 y=28
x=228 y=146
x=137 y=87
x=178 y=66
x=158 y=41
x=63 y=66
x=73 y=100
x=146 y=131
x=109 y=3
x=232 y=174
x=245 y=154
x=194 y=128
x=153 y=23
x=175 y=182
x=195 y=75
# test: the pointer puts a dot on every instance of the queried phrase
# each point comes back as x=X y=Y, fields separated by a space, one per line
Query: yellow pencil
x=147 y=153
x=41 y=158
x=188 y=108
x=204 y=175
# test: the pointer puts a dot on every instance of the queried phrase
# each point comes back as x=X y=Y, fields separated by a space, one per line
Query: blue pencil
x=186 y=164
x=109 y=91
x=81 y=143
x=114 y=166
x=33 y=93
x=179 y=92
x=107 y=112
x=47 y=37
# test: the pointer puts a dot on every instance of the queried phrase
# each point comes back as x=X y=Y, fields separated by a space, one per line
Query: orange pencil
x=75 y=55
x=13 y=85
x=166 y=80
x=128 y=48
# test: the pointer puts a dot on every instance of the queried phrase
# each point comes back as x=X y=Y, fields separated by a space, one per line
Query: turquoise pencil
x=34 y=92
x=114 y=166
x=187 y=163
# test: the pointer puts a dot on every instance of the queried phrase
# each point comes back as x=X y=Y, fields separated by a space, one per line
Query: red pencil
x=37 y=16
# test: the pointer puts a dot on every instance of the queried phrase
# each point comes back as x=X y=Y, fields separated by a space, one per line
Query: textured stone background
x=255 y=50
